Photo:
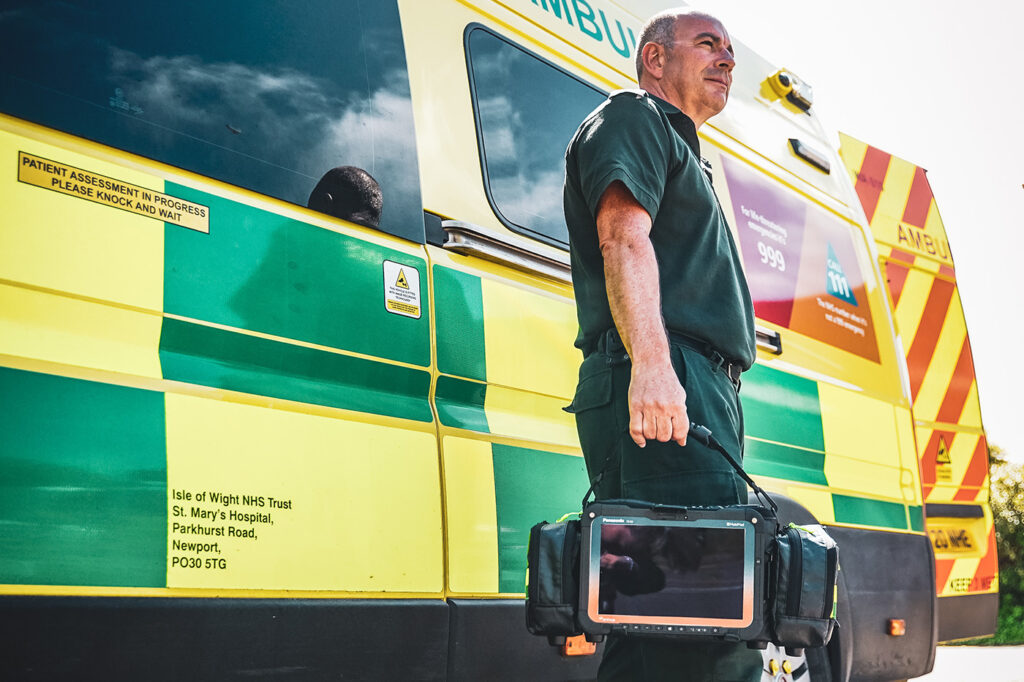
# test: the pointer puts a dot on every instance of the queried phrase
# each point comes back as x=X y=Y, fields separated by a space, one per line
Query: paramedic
x=666 y=320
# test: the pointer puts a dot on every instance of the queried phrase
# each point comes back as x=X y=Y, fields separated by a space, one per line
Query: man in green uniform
x=666 y=321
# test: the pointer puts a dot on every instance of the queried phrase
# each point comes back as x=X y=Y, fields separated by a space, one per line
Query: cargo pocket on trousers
x=593 y=391
x=595 y=424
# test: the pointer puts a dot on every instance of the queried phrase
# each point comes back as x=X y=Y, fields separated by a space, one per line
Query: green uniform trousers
x=668 y=474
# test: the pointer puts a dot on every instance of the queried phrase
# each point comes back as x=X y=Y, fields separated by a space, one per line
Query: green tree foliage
x=1007 y=499
x=1007 y=492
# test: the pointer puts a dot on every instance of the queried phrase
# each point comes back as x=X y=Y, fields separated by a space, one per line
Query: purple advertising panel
x=771 y=230
x=801 y=263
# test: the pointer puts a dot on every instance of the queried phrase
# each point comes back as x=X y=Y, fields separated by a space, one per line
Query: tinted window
x=526 y=112
x=267 y=96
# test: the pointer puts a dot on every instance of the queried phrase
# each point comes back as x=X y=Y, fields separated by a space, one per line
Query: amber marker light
x=897 y=627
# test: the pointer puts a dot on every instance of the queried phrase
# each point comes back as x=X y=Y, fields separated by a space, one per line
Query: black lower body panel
x=969 y=615
x=105 y=638
x=489 y=641
x=121 y=638
x=887 y=575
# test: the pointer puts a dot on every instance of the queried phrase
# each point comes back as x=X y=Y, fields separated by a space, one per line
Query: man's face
x=698 y=66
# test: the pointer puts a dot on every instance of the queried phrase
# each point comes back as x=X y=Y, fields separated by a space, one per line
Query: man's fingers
x=636 y=427
x=680 y=428
x=664 y=428
x=650 y=425
x=645 y=425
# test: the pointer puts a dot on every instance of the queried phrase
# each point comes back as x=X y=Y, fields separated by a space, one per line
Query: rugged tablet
x=673 y=571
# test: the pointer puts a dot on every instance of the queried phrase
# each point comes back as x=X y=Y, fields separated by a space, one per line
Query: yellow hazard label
x=401 y=289
x=100 y=189
x=943 y=463
x=404 y=308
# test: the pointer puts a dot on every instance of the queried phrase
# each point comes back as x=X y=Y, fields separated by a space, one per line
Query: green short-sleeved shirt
x=652 y=147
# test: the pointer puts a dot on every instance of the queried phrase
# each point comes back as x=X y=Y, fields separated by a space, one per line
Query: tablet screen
x=654 y=571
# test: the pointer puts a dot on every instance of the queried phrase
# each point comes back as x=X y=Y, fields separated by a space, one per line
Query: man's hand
x=657 y=405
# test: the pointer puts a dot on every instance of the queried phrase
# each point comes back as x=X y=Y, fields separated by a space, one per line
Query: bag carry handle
x=703 y=435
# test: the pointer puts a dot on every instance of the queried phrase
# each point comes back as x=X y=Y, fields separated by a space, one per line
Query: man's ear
x=653 y=57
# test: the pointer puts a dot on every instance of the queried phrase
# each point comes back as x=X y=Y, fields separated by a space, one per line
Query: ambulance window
x=805 y=265
x=526 y=111
x=266 y=100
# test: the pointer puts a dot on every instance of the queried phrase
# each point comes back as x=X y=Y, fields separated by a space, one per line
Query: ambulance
x=246 y=439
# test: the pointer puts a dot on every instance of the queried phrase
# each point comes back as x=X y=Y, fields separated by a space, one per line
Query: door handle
x=513 y=251
x=768 y=340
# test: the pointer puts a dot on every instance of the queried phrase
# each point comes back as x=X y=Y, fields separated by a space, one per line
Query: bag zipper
x=831 y=575
x=796 y=572
x=532 y=558
x=567 y=562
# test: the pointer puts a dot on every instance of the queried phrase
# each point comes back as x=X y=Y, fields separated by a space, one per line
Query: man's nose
x=726 y=60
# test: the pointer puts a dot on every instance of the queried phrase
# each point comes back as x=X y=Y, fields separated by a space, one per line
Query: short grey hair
x=661 y=29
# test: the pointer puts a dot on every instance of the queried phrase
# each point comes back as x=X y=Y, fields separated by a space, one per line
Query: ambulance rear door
x=915 y=257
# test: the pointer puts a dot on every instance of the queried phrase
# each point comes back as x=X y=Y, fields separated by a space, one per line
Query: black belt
x=733 y=370
x=610 y=342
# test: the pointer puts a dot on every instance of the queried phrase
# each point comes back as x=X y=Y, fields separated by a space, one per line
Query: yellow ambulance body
x=245 y=438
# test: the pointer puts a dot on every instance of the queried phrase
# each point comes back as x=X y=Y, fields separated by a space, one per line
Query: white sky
x=941 y=84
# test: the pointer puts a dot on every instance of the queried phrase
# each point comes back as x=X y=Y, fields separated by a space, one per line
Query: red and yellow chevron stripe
x=916 y=260
x=898 y=203
x=929 y=316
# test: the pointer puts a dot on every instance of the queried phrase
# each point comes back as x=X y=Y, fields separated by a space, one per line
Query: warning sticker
x=943 y=463
x=75 y=182
x=401 y=289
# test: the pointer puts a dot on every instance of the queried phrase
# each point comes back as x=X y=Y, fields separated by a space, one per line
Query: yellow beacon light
x=797 y=92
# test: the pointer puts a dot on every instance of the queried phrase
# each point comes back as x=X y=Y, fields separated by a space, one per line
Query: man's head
x=686 y=58
x=350 y=193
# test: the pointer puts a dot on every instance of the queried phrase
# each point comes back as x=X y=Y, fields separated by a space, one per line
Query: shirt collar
x=682 y=123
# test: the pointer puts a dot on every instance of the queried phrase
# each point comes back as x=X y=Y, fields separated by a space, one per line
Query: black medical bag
x=640 y=569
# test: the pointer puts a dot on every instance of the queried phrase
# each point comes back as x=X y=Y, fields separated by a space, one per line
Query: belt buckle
x=733 y=371
x=737 y=370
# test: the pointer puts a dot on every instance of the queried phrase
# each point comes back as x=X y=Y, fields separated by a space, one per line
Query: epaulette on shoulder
x=635 y=93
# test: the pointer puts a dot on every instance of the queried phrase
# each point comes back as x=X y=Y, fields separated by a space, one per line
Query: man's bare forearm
x=631 y=277
x=657 y=402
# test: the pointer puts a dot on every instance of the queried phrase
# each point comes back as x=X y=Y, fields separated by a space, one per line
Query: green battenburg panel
x=782 y=407
x=916 y=514
x=460 y=404
x=263 y=272
x=83 y=483
x=219 y=358
x=530 y=486
x=865 y=512
x=459 y=315
x=779 y=461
